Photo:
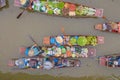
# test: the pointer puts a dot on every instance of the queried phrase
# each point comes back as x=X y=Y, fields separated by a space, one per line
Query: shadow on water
x=24 y=76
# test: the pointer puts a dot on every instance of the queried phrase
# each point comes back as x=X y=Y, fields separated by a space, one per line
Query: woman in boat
x=58 y=62
x=30 y=5
x=110 y=26
x=48 y=64
x=34 y=63
x=33 y=50
x=114 y=26
x=107 y=27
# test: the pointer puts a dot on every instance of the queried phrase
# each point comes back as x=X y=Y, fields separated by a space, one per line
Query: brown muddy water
x=23 y=76
x=14 y=34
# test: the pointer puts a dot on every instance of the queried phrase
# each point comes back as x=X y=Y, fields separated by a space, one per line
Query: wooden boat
x=43 y=63
x=112 y=60
x=59 y=8
x=113 y=27
x=61 y=51
x=73 y=40
x=2 y=3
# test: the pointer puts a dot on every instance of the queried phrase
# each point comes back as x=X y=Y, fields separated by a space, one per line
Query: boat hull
x=43 y=63
x=62 y=51
x=67 y=9
x=73 y=40
x=109 y=27
x=110 y=60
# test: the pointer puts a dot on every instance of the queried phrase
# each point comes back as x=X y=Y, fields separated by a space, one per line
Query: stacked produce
x=66 y=51
x=71 y=40
x=44 y=63
x=58 y=8
x=60 y=51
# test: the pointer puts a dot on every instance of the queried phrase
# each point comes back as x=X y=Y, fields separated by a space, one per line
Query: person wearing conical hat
x=59 y=40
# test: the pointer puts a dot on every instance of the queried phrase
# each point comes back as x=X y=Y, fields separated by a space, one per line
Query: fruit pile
x=59 y=8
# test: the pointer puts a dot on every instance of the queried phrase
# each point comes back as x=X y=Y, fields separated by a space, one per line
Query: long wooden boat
x=43 y=63
x=59 y=8
x=112 y=60
x=61 y=51
x=73 y=40
x=2 y=3
x=113 y=27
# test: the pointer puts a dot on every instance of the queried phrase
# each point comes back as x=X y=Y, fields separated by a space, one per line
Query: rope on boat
x=107 y=19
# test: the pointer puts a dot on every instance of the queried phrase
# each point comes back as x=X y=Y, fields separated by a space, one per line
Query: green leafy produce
x=73 y=40
x=82 y=41
x=63 y=50
x=50 y=12
x=60 y=5
x=52 y=4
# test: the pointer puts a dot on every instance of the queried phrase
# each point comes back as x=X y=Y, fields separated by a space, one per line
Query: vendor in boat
x=24 y=3
x=103 y=27
x=34 y=63
x=58 y=62
x=30 y=5
x=107 y=27
x=110 y=26
x=114 y=26
x=59 y=40
x=33 y=50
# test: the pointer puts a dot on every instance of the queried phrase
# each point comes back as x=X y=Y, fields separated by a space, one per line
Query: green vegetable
x=73 y=41
x=82 y=41
x=60 y=5
x=50 y=12
x=63 y=50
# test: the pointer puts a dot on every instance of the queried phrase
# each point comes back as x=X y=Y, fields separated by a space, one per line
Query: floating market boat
x=112 y=60
x=43 y=63
x=72 y=40
x=109 y=27
x=59 y=8
x=2 y=3
x=61 y=51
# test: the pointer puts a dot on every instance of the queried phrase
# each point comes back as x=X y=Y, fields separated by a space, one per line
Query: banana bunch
x=92 y=40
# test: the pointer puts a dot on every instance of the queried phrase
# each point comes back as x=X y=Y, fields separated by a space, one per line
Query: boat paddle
x=36 y=44
x=31 y=38
x=20 y=14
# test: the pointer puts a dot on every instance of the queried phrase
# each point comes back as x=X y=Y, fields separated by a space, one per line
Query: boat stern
x=100 y=39
x=11 y=63
x=22 y=50
x=91 y=52
x=46 y=40
x=102 y=61
x=98 y=27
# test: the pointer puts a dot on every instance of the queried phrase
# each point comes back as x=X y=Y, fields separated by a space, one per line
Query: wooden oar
x=31 y=38
x=20 y=14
